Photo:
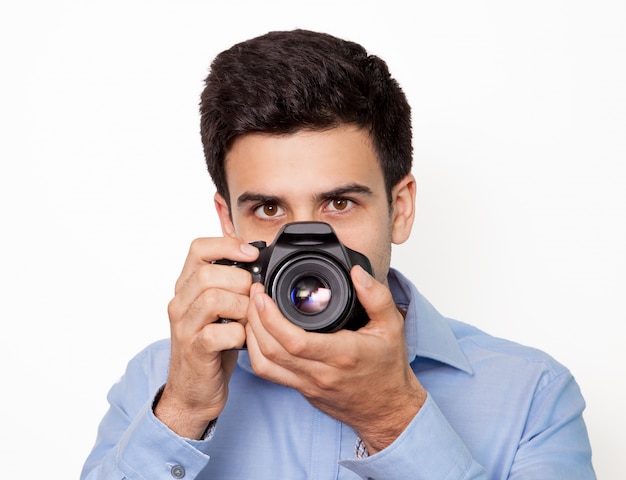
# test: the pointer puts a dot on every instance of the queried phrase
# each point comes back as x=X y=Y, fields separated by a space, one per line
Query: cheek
x=380 y=259
x=376 y=246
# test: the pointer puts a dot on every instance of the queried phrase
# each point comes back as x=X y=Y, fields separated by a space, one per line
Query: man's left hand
x=362 y=378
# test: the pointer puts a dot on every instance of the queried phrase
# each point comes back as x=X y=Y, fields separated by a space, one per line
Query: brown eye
x=340 y=204
x=268 y=210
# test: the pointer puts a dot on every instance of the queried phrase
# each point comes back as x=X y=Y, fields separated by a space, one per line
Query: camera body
x=306 y=271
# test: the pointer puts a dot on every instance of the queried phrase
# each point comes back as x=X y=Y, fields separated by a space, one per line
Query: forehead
x=311 y=160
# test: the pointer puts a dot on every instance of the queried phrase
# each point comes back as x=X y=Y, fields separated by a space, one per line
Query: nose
x=304 y=214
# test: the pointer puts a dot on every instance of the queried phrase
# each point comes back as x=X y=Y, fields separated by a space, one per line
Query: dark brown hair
x=286 y=81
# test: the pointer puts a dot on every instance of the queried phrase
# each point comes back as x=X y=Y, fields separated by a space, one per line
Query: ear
x=223 y=212
x=403 y=209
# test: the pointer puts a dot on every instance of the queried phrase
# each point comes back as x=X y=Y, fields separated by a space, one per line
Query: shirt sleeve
x=438 y=454
x=554 y=443
x=133 y=443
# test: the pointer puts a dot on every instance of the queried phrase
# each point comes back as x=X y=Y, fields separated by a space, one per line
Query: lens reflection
x=310 y=295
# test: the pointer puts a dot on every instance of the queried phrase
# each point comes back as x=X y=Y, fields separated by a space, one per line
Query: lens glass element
x=310 y=295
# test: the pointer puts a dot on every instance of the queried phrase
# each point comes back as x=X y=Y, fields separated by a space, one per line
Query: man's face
x=330 y=176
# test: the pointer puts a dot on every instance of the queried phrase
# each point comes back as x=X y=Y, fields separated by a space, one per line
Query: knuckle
x=271 y=352
x=297 y=347
x=173 y=310
x=195 y=247
x=346 y=362
x=260 y=365
x=326 y=382
x=208 y=300
x=204 y=275
x=220 y=304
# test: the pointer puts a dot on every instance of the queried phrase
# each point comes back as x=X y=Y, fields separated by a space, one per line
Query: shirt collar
x=428 y=334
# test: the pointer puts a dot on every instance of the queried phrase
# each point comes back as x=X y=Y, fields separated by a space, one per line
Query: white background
x=520 y=140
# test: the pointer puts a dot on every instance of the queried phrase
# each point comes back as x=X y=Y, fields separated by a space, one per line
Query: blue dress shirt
x=495 y=410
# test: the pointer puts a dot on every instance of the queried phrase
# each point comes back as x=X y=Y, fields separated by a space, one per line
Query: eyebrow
x=341 y=191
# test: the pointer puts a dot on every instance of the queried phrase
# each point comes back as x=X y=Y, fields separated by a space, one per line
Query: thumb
x=373 y=295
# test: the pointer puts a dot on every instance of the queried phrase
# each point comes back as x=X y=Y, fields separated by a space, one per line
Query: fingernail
x=248 y=249
x=363 y=277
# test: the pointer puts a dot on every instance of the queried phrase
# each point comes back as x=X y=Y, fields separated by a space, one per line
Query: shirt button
x=177 y=471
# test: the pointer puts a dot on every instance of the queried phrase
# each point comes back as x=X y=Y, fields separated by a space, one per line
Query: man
x=301 y=126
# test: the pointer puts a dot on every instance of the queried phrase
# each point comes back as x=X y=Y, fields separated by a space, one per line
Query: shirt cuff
x=428 y=448
x=149 y=449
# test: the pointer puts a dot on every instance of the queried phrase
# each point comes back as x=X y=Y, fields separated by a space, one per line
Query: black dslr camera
x=306 y=270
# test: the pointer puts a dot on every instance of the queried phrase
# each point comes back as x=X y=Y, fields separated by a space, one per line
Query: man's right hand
x=202 y=359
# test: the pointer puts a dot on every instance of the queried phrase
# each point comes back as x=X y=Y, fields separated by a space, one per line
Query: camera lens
x=313 y=291
x=310 y=295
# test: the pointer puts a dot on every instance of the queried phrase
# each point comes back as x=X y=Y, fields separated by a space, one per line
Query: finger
x=208 y=277
x=263 y=348
x=210 y=307
x=204 y=294
x=272 y=327
x=296 y=343
x=219 y=337
x=333 y=348
x=374 y=296
x=299 y=359
x=207 y=250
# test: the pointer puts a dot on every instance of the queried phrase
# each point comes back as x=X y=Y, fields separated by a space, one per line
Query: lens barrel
x=313 y=291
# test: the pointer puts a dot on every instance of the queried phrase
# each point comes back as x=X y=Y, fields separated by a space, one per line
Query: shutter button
x=177 y=471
